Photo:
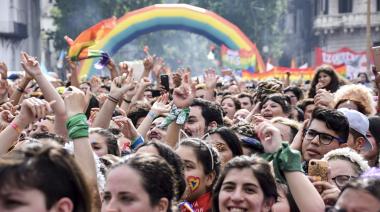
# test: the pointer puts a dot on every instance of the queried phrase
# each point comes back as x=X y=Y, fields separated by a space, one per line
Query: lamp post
x=369 y=40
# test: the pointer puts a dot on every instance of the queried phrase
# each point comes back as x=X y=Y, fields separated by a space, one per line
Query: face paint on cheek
x=193 y=183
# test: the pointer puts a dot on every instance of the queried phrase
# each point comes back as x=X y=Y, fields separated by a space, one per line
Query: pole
x=369 y=40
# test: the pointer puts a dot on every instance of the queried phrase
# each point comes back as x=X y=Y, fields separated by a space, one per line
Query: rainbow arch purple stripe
x=172 y=17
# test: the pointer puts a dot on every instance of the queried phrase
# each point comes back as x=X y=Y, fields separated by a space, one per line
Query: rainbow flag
x=80 y=47
x=241 y=62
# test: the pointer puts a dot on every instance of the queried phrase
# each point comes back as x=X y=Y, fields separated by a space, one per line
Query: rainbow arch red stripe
x=175 y=17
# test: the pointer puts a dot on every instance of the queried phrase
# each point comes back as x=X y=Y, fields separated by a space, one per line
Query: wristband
x=113 y=99
x=152 y=115
x=127 y=101
x=179 y=115
x=137 y=142
x=285 y=159
x=77 y=126
x=16 y=127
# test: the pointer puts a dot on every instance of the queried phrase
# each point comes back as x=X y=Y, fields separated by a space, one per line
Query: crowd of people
x=119 y=143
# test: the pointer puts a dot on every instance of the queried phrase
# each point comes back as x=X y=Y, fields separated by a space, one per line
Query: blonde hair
x=348 y=154
x=357 y=93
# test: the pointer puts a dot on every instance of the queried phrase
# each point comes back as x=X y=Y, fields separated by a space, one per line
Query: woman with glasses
x=344 y=164
x=361 y=194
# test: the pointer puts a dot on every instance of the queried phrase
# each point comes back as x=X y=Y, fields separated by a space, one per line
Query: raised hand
x=160 y=106
x=3 y=70
x=148 y=63
x=33 y=109
x=183 y=96
x=30 y=65
x=377 y=77
x=270 y=136
x=126 y=127
x=122 y=84
x=324 y=98
x=75 y=101
x=210 y=79
x=124 y=67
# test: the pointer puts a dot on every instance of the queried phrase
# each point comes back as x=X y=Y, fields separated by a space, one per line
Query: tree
x=260 y=20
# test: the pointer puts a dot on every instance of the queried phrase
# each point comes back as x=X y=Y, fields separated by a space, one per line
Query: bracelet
x=113 y=99
x=77 y=126
x=20 y=90
x=137 y=142
x=16 y=127
x=152 y=115
x=127 y=101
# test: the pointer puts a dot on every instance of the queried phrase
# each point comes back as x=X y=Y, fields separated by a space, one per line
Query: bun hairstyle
x=281 y=99
x=266 y=88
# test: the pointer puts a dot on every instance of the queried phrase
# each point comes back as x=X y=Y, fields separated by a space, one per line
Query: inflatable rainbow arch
x=172 y=17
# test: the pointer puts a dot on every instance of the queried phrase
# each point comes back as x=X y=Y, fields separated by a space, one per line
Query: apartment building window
x=321 y=7
x=378 y=5
x=345 y=6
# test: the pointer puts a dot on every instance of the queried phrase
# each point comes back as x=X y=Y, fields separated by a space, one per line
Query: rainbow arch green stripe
x=176 y=17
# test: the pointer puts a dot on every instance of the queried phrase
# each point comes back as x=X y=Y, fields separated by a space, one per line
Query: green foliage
x=71 y=17
x=260 y=20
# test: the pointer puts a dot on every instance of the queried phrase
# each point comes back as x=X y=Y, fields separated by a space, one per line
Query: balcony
x=10 y=29
x=345 y=21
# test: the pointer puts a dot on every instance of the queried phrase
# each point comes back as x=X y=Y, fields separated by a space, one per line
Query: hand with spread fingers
x=75 y=101
x=30 y=65
x=121 y=84
x=148 y=63
x=161 y=105
x=33 y=109
x=126 y=127
x=3 y=70
x=183 y=96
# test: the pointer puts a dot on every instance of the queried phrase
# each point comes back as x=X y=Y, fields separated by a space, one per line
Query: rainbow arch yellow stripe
x=176 y=17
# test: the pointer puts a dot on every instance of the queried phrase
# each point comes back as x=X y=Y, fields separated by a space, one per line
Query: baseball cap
x=358 y=122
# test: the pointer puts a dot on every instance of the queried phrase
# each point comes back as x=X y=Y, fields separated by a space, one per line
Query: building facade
x=19 y=31
x=342 y=23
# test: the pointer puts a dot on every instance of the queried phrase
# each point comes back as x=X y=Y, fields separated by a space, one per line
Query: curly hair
x=358 y=94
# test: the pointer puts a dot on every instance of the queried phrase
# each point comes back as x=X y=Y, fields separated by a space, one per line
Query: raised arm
x=182 y=98
x=77 y=128
x=113 y=69
x=31 y=109
x=31 y=66
x=119 y=86
x=74 y=77
x=158 y=108
x=211 y=80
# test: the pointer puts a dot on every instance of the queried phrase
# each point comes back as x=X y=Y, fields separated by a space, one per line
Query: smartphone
x=376 y=57
x=156 y=93
x=318 y=169
x=165 y=81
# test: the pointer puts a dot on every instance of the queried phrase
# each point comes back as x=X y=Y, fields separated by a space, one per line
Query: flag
x=79 y=48
x=242 y=63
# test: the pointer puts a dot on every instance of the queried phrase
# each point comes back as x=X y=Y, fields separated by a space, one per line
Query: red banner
x=356 y=62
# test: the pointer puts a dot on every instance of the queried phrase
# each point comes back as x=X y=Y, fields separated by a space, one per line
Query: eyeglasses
x=342 y=180
x=324 y=138
x=335 y=209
